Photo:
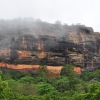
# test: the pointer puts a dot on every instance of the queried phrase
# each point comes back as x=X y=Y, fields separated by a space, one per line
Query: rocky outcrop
x=37 y=42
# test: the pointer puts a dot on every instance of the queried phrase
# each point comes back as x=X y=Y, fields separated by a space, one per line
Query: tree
x=48 y=89
x=45 y=88
x=5 y=92
x=43 y=71
x=7 y=76
x=68 y=70
x=40 y=79
x=47 y=97
x=94 y=87
x=96 y=73
x=62 y=84
x=73 y=82
x=86 y=76
x=27 y=79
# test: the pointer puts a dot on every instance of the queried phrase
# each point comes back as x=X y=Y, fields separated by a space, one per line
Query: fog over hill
x=29 y=41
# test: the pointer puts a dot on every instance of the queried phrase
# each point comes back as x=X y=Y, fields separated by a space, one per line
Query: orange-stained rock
x=77 y=69
x=42 y=54
x=2 y=64
x=22 y=54
x=4 y=52
x=53 y=69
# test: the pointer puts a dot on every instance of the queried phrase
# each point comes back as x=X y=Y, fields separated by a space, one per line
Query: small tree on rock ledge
x=68 y=70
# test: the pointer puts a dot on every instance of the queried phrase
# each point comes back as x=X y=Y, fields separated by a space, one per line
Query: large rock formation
x=37 y=42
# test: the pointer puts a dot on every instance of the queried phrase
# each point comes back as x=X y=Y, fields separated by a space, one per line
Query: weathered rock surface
x=36 y=42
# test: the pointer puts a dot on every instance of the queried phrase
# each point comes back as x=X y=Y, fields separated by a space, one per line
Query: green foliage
x=96 y=95
x=55 y=95
x=73 y=82
x=45 y=88
x=22 y=86
x=18 y=75
x=62 y=84
x=40 y=79
x=7 y=76
x=96 y=73
x=68 y=70
x=94 y=87
x=86 y=76
x=5 y=92
x=27 y=79
x=30 y=97
x=13 y=75
x=79 y=97
x=47 y=97
x=82 y=87
x=0 y=73
x=65 y=98
x=69 y=93
x=43 y=71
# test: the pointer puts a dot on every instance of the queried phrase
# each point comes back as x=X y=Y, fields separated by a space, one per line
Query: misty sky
x=86 y=12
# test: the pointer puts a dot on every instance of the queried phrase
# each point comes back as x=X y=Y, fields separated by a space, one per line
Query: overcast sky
x=86 y=12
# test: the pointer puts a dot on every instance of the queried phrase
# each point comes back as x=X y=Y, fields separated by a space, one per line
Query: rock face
x=36 y=42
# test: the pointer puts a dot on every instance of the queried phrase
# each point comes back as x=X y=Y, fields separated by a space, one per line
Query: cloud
x=67 y=11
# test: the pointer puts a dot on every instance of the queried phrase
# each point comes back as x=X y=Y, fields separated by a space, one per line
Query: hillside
x=33 y=42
